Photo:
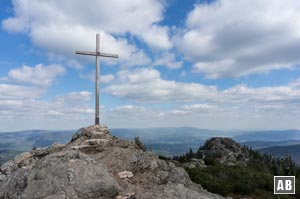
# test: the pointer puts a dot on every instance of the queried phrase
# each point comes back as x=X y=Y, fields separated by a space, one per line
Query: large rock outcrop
x=95 y=164
x=225 y=150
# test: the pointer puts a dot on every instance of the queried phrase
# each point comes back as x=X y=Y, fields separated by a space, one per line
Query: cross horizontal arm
x=97 y=54
x=86 y=53
x=108 y=55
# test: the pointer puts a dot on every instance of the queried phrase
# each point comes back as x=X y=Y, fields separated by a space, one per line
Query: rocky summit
x=95 y=164
x=225 y=150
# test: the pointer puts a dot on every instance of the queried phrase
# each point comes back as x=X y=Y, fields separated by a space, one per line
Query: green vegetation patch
x=225 y=180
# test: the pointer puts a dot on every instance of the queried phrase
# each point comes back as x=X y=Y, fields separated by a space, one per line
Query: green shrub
x=139 y=143
x=224 y=180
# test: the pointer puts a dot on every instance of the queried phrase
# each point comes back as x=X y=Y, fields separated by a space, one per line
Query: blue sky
x=220 y=64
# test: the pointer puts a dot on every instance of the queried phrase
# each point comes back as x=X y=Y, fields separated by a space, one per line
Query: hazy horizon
x=230 y=131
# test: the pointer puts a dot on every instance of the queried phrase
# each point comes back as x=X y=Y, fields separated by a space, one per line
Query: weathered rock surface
x=125 y=174
x=195 y=163
x=95 y=165
x=226 y=151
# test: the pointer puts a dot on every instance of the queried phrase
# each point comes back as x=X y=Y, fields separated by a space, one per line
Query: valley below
x=167 y=142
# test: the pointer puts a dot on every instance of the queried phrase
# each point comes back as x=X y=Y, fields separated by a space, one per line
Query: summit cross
x=97 y=54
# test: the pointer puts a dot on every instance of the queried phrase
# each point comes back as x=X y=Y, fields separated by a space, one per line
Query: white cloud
x=78 y=96
x=238 y=107
x=32 y=105
x=39 y=75
x=198 y=107
x=183 y=73
x=146 y=85
x=107 y=78
x=157 y=37
x=126 y=108
x=295 y=84
x=280 y=94
x=103 y=78
x=138 y=75
x=63 y=27
x=230 y=38
x=82 y=110
x=128 y=115
x=222 y=39
x=21 y=99
x=207 y=116
x=74 y=64
x=66 y=111
x=12 y=92
x=168 y=60
x=63 y=42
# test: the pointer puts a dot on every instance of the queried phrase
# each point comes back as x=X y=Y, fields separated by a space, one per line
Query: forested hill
x=281 y=151
x=223 y=166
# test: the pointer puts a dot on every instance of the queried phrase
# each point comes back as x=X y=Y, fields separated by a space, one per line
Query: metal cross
x=97 y=54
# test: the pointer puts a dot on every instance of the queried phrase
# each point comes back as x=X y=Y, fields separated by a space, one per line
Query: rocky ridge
x=225 y=150
x=95 y=164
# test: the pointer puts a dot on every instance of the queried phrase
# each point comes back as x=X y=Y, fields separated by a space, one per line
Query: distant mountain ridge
x=165 y=141
x=168 y=141
x=282 y=151
x=264 y=144
x=168 y=132
x=13 y=143
x=275 y=135
x=276 y=143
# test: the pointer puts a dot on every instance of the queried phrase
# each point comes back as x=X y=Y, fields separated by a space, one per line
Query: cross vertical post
x=97 y=91
x=97 y=54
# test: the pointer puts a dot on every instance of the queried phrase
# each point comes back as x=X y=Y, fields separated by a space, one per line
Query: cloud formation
x=230 y=38
x=197 y=104
x=206 y=116
x=34 y=112
x=21 y=99
x=223 y=38
x=168 y=60
x=63 y=27
x=146 y=85
x=39 y=75
x=103 y=78
x=19 y=92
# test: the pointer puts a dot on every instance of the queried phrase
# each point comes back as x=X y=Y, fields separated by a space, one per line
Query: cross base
x=97 y=121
